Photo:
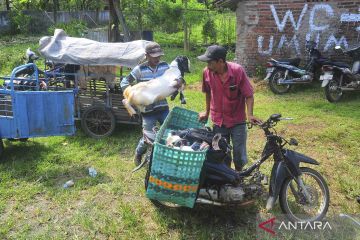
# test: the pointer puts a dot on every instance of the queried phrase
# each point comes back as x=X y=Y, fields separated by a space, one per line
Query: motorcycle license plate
x=269 y=70
x=268 y=73
x=326 y=77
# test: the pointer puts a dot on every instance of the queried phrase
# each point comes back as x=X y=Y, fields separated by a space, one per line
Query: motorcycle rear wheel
x=275 y=87
x=293 y=202
x=333 y=91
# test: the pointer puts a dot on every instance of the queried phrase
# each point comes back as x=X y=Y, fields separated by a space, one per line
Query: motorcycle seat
x=291 y=61
x=354 y=49
x=341 y=64
x=337 y=64
x=219 y=173
x=354 y=53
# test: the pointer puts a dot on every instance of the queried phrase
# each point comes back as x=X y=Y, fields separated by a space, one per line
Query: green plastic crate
x=174 y=175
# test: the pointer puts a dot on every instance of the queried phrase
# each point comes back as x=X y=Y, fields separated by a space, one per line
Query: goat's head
x=183 y=63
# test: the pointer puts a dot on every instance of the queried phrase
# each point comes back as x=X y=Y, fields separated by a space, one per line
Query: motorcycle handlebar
x=271 y=122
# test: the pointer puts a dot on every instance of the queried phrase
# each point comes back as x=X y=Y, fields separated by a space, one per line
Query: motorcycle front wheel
x=333 y=91
x=294 y=203
x=274 y=84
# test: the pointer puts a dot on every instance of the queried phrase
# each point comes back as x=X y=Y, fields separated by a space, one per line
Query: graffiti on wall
x=315 y=29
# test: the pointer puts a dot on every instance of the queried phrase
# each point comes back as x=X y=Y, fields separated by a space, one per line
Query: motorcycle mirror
x=275 y=117
x=293 y=142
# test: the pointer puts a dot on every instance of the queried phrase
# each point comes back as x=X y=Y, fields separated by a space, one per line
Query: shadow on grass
x=310 y=87
x=38 y=163
x=122 y=133
x=344 y=108
x=215 y=222
x=22 y=151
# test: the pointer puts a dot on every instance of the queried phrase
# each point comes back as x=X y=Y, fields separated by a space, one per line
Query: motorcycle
x=284 y=73
x=55 y=75
x=338 y=78
x=302 y=192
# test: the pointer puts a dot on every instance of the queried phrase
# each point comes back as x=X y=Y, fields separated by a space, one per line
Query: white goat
x=146 y=93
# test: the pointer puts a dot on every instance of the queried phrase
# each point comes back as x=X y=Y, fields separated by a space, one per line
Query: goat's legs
x=182 y=98
x=173 y=96
x=128 y=107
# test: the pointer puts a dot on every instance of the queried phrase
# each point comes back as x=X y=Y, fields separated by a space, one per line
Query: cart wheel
x=1 y=147
x=98 y=122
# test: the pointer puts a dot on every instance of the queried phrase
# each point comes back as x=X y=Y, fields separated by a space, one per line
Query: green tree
x=209 y=31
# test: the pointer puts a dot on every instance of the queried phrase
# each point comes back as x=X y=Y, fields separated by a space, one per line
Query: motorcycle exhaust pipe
x=206 y=201
x=294 y=81
x=349 y=89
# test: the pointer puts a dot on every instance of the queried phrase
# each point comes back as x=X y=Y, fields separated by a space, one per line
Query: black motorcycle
x=303 y=193
x=284 y=73
x=338 y=78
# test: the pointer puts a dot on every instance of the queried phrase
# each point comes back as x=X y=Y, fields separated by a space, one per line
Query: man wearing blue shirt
x=157 y=111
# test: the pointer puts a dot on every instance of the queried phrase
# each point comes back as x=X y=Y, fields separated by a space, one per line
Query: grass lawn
x=34 y=205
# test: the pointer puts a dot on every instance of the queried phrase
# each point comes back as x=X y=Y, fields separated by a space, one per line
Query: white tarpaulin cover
x=61 y=48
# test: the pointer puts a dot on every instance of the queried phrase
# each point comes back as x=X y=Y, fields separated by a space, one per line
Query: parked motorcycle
x=284 y=73
x=303 y=193
x=54 y=75
x=338 y=78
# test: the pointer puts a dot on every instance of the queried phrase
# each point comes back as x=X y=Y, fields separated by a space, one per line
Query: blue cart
x=30 y=112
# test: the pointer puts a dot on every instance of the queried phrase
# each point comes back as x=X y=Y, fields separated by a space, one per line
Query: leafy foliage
x=21 y=22
x=209 y=31
x=75 y=28
x=226 y=28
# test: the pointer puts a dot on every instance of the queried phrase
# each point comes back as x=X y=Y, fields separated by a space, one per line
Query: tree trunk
x=56 y=8
x=97 y=15
x=186 y=29
x=121 y=18
x=140 y=20
x=7 y=5
x=113 y=23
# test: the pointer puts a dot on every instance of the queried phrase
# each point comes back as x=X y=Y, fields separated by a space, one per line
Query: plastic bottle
x=92 y=172
x=68 y=184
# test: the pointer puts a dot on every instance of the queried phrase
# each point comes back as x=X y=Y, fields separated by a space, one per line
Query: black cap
x=154 y=49
x=213 y=52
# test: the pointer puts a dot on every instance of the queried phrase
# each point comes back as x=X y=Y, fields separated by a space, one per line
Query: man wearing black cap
x=157 y=111
x=228 y=93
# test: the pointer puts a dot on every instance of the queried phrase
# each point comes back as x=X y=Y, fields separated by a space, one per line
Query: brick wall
x=280 y=28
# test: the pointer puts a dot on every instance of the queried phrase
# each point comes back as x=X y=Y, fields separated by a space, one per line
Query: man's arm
x=126 y=81
x=131 y=79
x=249 y=109
x=203 y=116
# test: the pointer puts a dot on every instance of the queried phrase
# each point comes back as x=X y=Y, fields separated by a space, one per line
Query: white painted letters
x=293 y=43
x=316 y=30
x=332 y=41
x=290 y=15
x=260 y=45
x=318 y=7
